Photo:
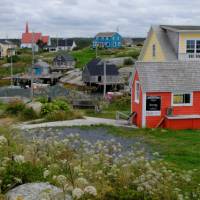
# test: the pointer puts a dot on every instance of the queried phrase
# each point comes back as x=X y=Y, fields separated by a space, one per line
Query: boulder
x=36 y=191
x=36 y=106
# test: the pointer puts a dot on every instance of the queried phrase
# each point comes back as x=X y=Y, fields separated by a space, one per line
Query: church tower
x=27 y=31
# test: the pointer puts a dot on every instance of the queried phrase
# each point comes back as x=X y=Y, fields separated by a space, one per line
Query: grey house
x=63 y=62
x=93 y=74
x=66 y=44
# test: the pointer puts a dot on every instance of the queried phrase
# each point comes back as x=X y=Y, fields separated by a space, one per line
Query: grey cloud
x=87 y=17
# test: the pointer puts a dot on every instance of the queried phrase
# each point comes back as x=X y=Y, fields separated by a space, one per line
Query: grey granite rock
x=36 y=191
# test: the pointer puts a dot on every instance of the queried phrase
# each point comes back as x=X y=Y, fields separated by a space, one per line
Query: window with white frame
x=137 y=91
x=182 y=99
x=190 y=46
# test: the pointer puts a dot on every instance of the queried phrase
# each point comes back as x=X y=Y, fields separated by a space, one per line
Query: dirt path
x=87 y=121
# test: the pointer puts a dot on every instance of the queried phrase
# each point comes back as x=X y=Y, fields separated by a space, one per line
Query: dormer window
x=154 y=50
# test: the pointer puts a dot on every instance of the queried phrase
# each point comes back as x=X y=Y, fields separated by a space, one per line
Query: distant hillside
x=80 y=42
x=137 y=41
x=15 y=41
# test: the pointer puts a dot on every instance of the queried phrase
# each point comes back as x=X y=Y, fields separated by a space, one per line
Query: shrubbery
x=128 y=61
x=15 y=107
x=56 y=105
x=59 y=110
x=14 y=59
x=19 y=109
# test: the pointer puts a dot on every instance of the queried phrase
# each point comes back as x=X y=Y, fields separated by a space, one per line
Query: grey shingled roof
x=180 y=28
x=96 y=68
x=165 y=43
x=106 y=34
x=169 y=76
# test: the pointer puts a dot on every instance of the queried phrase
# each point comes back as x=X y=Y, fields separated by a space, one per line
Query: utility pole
x=104 y=79
x=11 y=68
x=32 y=72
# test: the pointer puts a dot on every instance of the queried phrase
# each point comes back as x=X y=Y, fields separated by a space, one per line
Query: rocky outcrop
x=36 y=191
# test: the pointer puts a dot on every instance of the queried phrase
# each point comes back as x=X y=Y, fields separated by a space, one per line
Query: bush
x=128 y=61
x=57 y=105
x=21 y=173
x=28 y=114
x=15 y=107
x=14 y=59
x=63 y=115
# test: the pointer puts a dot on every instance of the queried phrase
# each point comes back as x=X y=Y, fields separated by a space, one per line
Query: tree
x=41 y=44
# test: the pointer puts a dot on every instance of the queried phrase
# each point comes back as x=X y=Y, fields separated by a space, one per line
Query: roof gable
x=164 y=43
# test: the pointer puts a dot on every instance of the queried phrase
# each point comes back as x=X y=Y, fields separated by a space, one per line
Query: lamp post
x=11 y=69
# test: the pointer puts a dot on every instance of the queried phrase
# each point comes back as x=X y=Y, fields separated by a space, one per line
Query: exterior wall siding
x=95 y=79
x=148 y=54
x=183 y=37
x=136 y=107
x=166 y=98
x=152 y=121
x=181 y=124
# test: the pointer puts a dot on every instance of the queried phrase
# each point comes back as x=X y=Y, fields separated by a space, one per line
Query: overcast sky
x=84 y=18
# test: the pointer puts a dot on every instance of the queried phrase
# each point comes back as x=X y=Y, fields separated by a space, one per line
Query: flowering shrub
x=102 y=170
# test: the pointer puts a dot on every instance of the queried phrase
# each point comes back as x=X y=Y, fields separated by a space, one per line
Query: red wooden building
x=166 y=94
x=27 y=38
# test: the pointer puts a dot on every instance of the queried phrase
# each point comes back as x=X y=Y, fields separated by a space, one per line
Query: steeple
x=27 y=27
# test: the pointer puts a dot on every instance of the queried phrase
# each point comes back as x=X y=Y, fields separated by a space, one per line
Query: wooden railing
x=125 y=116
x=189 y=56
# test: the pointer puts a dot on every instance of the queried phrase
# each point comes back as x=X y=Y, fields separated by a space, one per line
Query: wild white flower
x=18 y=180
x=91 y=190
x=61 y=179
x=156 y=154
x=19 y=159
x=3 y=140
x=180 y=197
x=46 y=173
x=77 y=193
x=140 y=189
x=82 y=181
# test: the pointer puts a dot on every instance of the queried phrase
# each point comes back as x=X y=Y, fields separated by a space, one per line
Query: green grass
x=17 y=68
x=83 y=56
x=179 y=148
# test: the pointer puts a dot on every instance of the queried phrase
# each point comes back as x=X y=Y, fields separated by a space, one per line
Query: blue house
x=107 y=40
